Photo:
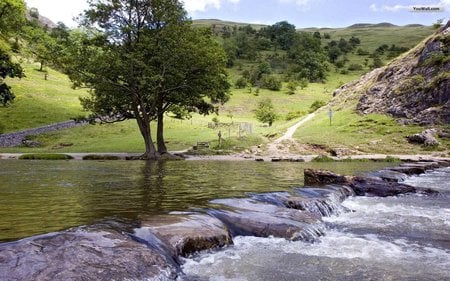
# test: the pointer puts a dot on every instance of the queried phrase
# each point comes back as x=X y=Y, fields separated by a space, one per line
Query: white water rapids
x=393 y=238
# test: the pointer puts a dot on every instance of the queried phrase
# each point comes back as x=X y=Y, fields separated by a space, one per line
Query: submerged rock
x=388 y=175
x=98 y=252
x=250 y=217
x=317 y=201
x=185 y=233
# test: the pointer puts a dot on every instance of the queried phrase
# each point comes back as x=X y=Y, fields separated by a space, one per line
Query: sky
x=301 y=13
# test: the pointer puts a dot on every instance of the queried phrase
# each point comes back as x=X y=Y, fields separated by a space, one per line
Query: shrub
x=45 y=156
x=292 y=87
x=265 y=112
x=241 y=83
x=271 y=82
x=294 y=115
x=316 y=105
x=355 y=67
x=100 y=157
x=322 y=158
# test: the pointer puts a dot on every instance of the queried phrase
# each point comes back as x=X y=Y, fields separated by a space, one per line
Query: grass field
x=40 y=102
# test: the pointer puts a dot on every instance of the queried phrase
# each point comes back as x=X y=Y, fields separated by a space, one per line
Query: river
x=393 y=238
x=44 y=196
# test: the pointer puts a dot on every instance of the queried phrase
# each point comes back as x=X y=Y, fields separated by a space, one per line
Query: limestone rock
x=413 y=88
x=360 y=185
x=426 y=138
x=249 y=217
x=98 y=252
x=185 y=233
x=323 y=177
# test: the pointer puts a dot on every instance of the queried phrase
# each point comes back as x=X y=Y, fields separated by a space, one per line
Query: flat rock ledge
x=150 y=249
x=97 y=252
x=186 y=233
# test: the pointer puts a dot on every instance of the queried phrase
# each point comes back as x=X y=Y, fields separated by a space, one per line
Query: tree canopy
x=12 y=15
x=144 y=59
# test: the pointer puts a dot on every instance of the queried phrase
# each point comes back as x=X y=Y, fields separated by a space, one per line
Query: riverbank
x=244 y=157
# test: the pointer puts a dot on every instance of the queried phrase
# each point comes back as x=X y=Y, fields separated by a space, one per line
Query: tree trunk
x=150 y=151
x=162 y=149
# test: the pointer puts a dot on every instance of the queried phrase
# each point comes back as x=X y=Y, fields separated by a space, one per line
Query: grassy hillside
x=40 y=102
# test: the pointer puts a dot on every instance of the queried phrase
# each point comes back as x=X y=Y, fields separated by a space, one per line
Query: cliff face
x=415 y=88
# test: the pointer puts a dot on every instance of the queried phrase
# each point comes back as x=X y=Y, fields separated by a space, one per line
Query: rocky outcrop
x=323 y=177
x=249 y=217
x=360 y=185
x=414 y=88
x=98 y=252
x=426 y=138
x=185 y=234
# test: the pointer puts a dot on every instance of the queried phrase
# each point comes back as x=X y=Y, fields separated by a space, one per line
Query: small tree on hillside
x=265 y=112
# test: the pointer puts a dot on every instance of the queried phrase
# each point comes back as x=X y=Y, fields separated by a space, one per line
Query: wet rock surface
x=364 y=185
x=250 y=217
x=98 y=252
x=149 y=249
x=185 y=234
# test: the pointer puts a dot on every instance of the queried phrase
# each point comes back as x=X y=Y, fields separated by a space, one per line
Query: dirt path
x=282 y=146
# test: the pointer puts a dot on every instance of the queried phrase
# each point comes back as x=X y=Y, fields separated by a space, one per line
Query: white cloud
x=443 y=4
x=301 y=3
x=201 y=5
x=374 y=7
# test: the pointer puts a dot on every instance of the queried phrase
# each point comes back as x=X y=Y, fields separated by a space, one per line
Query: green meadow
x=40 y=102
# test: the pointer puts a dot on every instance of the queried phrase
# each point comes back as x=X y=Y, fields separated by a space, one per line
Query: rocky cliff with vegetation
x=414 y=88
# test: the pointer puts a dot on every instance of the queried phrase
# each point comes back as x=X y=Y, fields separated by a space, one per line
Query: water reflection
x=44 y=196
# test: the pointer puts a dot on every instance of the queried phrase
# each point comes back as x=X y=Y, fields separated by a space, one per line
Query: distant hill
x=220 y=23
x=372 y=25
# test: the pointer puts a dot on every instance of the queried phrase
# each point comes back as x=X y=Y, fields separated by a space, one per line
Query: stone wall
x=16 y=138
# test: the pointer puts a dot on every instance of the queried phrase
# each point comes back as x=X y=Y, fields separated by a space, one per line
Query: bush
x=316 y=105
x=355 y=67
x=294 y=115
x=241 y=83
x=361 y=52
x=45 y=156
x=100 y=157
x=292 y=87
x=271 y=82
x=265 y=112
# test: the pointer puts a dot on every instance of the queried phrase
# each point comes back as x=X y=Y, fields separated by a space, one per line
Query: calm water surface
x=44 y=196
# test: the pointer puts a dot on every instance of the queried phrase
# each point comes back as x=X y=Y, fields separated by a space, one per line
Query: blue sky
x=302 y=13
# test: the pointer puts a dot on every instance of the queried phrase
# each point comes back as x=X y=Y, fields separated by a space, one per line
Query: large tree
x=12 y=15
x=144 y=59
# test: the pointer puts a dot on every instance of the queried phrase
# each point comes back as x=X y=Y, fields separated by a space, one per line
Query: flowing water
x=44 y=196
x=393 y=238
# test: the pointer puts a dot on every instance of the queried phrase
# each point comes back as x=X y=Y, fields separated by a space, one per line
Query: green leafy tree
x=12 y=16
x=282 y=33
x=7 y=69
x=265 y=112
x=143 y=60
x=309 y=57
x=292 y=88
x=41 y=45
